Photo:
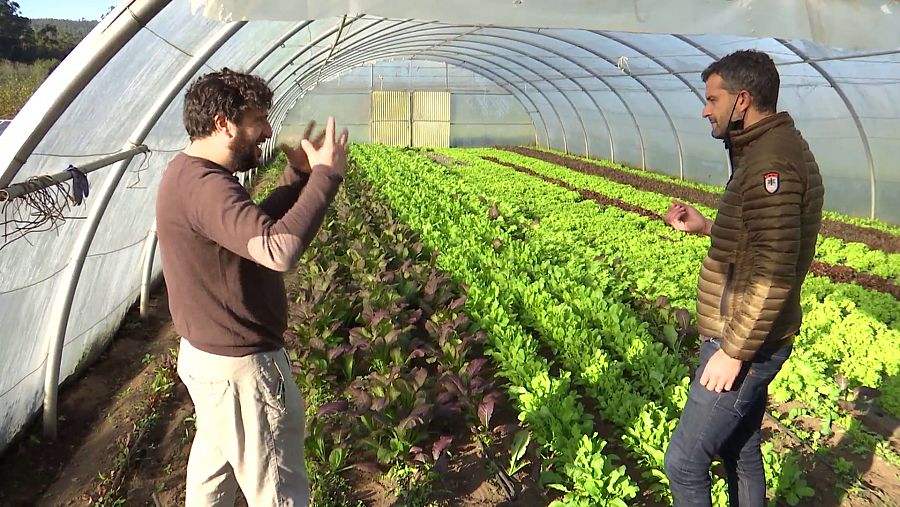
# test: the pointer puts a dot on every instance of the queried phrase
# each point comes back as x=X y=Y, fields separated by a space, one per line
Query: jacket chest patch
x=772 y=181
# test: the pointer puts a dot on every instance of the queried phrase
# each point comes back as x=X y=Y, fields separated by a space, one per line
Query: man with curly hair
x=223 y=258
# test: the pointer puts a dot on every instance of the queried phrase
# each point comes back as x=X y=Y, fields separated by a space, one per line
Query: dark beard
x=243 y=152
x=732 y=126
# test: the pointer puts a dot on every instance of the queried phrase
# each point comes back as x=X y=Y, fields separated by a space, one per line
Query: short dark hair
x=225 y=92
x=749 y=70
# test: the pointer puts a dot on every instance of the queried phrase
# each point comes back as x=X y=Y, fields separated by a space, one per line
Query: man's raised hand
x=330 y=154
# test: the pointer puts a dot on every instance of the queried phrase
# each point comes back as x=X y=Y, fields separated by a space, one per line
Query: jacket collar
x=742 y=137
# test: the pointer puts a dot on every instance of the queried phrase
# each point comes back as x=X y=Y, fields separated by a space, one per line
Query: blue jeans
x=726 y=424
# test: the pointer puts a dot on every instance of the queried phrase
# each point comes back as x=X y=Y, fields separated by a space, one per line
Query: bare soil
x=96 y=411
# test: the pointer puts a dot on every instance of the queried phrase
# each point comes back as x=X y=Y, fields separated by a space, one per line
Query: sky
x=65 y=9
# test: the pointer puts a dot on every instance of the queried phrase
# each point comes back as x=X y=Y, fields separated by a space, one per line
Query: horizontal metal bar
x=41 y=182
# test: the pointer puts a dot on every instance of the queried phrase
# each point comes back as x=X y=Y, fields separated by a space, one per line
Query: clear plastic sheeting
x=610 y=79
x=839 y=23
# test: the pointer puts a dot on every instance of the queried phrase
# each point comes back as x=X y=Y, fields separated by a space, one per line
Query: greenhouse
x=511 y=163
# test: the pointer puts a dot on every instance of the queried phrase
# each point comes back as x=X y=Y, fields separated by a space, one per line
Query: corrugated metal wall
x=431 y=119
x=420 y=118
x=391 y=118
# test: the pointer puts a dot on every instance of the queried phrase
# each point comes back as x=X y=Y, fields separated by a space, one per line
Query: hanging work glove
x=80 y=187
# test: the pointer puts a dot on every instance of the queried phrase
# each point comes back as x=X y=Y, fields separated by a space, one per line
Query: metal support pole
x=713 y=57
x=96 y=51
x=27 y=187
x=459 y=36
x=324 y=35
x=61 y=307
x=147 y=268
x=860 y=129
x=277 y=44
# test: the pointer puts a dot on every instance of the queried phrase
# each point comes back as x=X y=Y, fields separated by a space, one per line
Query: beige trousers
x=250 y=429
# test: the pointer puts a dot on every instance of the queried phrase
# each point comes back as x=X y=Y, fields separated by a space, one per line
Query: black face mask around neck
x=733 y=125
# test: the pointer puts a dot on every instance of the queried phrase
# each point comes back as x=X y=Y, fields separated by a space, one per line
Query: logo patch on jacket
x=773 y=182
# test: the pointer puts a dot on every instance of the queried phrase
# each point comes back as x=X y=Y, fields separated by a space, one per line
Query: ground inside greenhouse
x=97 y=416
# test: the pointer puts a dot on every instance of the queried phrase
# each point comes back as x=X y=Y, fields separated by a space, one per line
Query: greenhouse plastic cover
x=611 y=79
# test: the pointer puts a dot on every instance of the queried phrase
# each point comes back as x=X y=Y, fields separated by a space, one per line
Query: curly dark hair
x=749 y=70
x=225 y=92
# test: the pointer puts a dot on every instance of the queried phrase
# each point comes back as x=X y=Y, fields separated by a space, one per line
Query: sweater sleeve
x=222 y=211
x=290 y=184
x=771 y=208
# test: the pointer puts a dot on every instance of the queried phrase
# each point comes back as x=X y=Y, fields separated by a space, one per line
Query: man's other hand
x=296 y=156
x=720 y=372
x=331 y=154
x=685 y=218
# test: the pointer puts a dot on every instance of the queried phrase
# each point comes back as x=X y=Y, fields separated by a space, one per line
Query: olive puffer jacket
x=763 y=239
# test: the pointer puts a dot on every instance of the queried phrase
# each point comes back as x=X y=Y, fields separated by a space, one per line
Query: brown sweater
x=223 y=256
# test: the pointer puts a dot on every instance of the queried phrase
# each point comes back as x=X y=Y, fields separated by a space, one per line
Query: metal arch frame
x=671 y=72
x=694 y=44
x=455 y=34
x=487 y=73
x=484 y=72
x=289 y=97
x=458 y=61
x=403 y=24
x=863 y=136
x=600 y=78
x=655 y=60
x=280 y=102
x=659 y=102
x=392 y=45
x=115 y=35
x=459 y=35
x=319 y=38
x=61 y=307
x=549 y=102
x=537 y=110
x=457 y=38
x=269 y=145
x=542 y=62
x=565 y=95
x=590 y=97
x=275 y=45
x=612 y=149
x=398 y=27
